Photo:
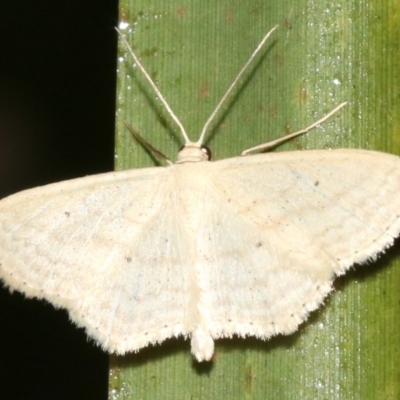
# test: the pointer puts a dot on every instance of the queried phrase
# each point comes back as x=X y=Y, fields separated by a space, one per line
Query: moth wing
x=103 y=248
x=281 y=226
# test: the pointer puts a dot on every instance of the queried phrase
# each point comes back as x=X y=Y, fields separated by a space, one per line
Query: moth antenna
x=233 y=84
x=275 y=142
x=153 y=85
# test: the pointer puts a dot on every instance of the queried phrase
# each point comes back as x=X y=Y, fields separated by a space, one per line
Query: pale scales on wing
x=246 y=246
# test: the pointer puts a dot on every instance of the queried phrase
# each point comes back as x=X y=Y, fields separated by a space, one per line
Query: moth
x=245 y=246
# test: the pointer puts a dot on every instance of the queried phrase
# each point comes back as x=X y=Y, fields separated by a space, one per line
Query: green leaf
x=322 y=54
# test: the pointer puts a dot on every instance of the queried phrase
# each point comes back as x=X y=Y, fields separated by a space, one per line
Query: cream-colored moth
x=244 y=246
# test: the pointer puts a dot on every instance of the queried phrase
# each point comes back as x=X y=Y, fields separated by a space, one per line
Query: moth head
x=193 y=152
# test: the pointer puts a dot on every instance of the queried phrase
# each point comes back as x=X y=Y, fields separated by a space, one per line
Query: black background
x=57 y=109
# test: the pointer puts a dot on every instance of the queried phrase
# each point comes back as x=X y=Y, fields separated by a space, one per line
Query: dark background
x=57 y=94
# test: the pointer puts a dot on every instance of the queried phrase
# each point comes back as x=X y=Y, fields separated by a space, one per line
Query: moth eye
x=206 y=150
